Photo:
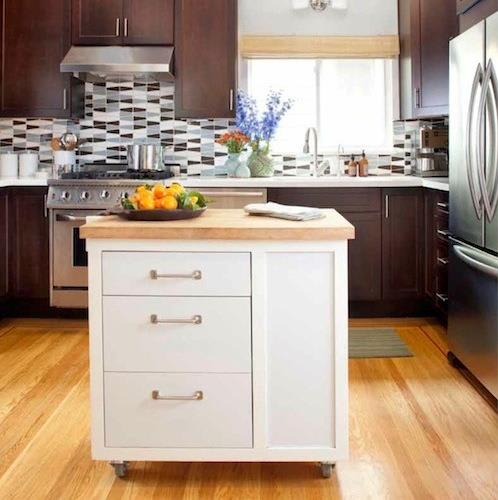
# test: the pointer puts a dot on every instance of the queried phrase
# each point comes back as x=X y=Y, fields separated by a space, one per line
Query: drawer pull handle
x=198 y=396
x=196 y=320
x=442 y=297
x=196 y=275
x=443 y=261
x=444 y=206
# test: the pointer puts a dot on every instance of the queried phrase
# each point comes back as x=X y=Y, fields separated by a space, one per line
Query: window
x=349 y=101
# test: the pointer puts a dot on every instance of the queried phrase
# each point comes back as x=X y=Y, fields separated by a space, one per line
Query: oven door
x=69 y=261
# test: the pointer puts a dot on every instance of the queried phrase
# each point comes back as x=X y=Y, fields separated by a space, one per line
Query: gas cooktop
x=113 y=171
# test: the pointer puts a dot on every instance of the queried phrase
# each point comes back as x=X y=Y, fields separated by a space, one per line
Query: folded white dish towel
x=284 y=211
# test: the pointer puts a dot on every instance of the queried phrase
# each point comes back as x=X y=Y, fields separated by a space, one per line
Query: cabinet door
x=433 y=25
x=97 y=22
x=148 y=22
x=29 y=248
x=4 y=214
x=361 y=207
x=472 y=12
x=365 y=257
x=430 y=201
x=403 y=244
x=34 y=40
x=206 y=53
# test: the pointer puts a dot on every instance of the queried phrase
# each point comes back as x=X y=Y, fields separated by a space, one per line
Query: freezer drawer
x=473 y=312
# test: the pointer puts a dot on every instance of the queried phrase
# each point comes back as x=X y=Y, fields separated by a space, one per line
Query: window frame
x=391 y=69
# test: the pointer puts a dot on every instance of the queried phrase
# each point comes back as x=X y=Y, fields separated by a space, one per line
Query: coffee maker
x=432 y=155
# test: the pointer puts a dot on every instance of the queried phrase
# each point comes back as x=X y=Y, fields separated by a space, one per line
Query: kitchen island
x=222 y=338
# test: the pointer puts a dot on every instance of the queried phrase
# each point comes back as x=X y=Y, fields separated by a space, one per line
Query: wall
x=276 y=17
x=119 y=114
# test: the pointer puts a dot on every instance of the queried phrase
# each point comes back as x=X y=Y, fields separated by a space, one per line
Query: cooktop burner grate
x=117 y=171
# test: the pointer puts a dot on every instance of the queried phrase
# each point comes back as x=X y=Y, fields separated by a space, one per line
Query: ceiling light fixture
x=319 y=5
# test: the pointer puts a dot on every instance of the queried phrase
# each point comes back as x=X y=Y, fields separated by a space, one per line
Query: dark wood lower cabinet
x=29 y=245
x=386 y=259
x=436 y=250
x=361 y=207
x=4 y=217
x=403 y=244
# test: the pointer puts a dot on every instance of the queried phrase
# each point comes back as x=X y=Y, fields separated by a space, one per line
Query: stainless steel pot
x=145 y=157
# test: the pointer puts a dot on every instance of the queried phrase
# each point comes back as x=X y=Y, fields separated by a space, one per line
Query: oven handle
x=69 y=218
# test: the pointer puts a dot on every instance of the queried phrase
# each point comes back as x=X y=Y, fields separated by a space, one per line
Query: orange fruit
x=158 y=202
x=159 y=191
x=147 y=203
x=141 y=189
x=169 y=203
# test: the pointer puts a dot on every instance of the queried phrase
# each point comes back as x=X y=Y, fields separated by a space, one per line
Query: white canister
x=65 y=157
x=28 y=164
x=9 y=165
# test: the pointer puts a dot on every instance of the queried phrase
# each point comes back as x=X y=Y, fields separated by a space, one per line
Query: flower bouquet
x=261 y=128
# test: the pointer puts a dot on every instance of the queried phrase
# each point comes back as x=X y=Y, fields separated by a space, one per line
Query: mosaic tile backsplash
x=118 y=114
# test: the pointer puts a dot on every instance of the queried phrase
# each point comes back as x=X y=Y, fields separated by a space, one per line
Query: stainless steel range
x=71 y=199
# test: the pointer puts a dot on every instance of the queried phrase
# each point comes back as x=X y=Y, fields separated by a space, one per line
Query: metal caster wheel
x=120 y=468
x=326 y=469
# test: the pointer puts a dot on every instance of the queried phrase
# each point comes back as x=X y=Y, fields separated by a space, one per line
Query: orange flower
x=234 y=141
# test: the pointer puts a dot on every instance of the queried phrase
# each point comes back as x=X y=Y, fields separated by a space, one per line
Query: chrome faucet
x=318 y=168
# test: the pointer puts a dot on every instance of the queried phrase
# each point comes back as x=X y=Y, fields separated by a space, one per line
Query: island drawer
x=176 y=273
x=177 y=334
x=192 y=410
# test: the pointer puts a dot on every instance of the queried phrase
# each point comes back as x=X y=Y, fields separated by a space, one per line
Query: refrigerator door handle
x=492 y=175
x=483 y=263
x=487 y=176
x=476 y=199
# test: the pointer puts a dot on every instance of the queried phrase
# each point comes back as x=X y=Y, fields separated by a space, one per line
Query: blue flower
x=261 y=128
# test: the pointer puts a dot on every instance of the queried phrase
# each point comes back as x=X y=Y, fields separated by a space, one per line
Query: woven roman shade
x=323 y=47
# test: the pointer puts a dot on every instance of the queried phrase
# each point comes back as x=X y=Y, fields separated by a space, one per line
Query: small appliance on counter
x=432 y=156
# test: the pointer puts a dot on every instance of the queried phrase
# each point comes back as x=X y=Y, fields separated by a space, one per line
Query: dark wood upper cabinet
x=29 y=244
x=426 y=28
x=97 y=22
x=123 y=22
x=149 y=22
x=206 y=58
x=403 y=244
x=35 y=37
x=471 y=12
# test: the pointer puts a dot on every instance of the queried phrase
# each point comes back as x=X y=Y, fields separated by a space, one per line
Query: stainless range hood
x=115 y=64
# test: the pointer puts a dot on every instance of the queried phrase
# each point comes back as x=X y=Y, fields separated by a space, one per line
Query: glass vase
x=261 y=164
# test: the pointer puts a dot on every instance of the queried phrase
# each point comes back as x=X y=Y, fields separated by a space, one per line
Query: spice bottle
x=352 y=167
x=363 y=165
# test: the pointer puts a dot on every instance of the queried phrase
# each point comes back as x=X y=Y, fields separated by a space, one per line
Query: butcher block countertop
x=221 y=225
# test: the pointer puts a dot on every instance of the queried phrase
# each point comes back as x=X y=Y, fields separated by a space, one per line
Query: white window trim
x=393 y=106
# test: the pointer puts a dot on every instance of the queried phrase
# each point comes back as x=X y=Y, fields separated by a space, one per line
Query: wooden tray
x=157 y=215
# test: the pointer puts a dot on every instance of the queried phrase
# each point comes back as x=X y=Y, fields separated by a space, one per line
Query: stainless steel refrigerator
x=473 y=272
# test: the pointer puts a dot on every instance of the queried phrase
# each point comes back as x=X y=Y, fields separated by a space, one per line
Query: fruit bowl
x=161 y=203
x=157 y=215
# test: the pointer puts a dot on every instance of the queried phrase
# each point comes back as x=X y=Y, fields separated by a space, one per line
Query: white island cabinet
x=222 y=338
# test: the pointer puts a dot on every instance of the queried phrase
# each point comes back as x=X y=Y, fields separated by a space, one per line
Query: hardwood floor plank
x=417 y=430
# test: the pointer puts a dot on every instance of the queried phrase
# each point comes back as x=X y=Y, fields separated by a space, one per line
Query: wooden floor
x=418 y=430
